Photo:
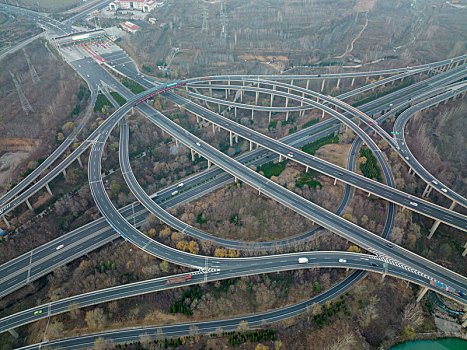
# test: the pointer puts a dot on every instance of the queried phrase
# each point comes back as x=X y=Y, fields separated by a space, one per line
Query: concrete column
x=280 y=157
x=308 y=84
x=429 y=191
x=257 y=95
x=270 y=116
x=209 y=163
x=353 y=81
x=29 y=204
x=366 y=79
x=251 y=146
x=272 y=99
x=433 y=228
x=335 y=181
x=176 y=142
x=286 y=102
x=6 y=221
x=291 y=82
x=338 y=82
x=228 y=83
x=226 y=94
x=322 y=116
x=426 y=190
x=79 y=162
x=287 y=116
x=322 y=85
x=446 y=101
x=192 y=156
x=252 y=113
x=302 y=112
x=306 y=169
x=235 y=109
x=197 y=119
x=241 y=95
x=13 y=333
x=236 y=138
x=64 y=172
x=464 y=253
x=231 y=139
x=421 y=294
x=210 y=89
x=48 y=189
x=213 y=129
x=453 y=204
x=410 y=171
x=236 y=180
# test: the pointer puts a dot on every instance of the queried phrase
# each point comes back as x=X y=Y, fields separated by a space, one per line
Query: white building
x=141 y=5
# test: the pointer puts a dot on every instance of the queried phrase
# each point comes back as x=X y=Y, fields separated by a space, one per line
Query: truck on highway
x=303 y=260
x=178 y=279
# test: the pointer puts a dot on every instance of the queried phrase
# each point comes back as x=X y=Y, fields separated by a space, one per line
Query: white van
x=302 y=260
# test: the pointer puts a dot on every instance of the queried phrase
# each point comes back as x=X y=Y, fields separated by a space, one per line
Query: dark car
x=374 y=264
x=390 y=245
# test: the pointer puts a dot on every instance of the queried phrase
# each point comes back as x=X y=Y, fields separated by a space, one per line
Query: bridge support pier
x=421 y=294
x=464 y=253
x=219 y=108
x=433 y=228
x=209 y=163
x=287 y=116
x=335 y=181
x=210 y=89
x=453 y=204
x=192 y=156
x=322 y=85
x=411 y=171
x=306 y=169
x=241 y=95
x=176 y=141
x=231 y=137
x=308 y=84
x=6 y=221
x=353 y=81
x=226 y=94
x=13 y=333
x=80 y=162
x=236 y=138
x=427 y=190
x=257 y=96
x=213 y=129
x=252 y=113
x=270 y=116
x=236 y=180
x=338 y=82
x=64 y=172
x=28 y=204
x=235 y=109
x=322 y=115
x=280 y=157
x=48 y=189
x=251 y=146
x=197 y=119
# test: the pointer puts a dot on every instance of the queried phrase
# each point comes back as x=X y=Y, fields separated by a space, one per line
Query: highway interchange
x=408 y=270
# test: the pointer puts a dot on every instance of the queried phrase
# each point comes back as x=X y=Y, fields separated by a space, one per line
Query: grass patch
x=370 y=167
x=376 y=94
x=312 y=147
x=308 y=179
x=272 y=125
x=310 y=123
x=101 y=101
x=272 y=169
x=120 y=100
x=133 y=86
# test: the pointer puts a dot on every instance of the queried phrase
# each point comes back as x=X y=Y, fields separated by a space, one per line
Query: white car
x=342 y=260
x=407 y=158
x=414 y=204
x=198 y=144
x=174 y=193
x=180 y=184
x=434 y=182
x=59 y=247
x=444 y=190
x=290 y=154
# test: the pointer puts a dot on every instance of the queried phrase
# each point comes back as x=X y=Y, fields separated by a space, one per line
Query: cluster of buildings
x=141 y=5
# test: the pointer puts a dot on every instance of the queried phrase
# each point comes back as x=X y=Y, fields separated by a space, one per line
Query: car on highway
x=342 y=260
x=87 y=75
x=59 y=247
x=434 y=182
x=390 y=245
x=413 y=203
x=341 y=174
x=407 y=158
x=444 y=190
x=37 y=312
x=290 y=154
x=370 y=122
x=198 y=144
x=302 y=260
x=180 y=184
x=374 y=264
x=174 y=193
x=390 y=105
